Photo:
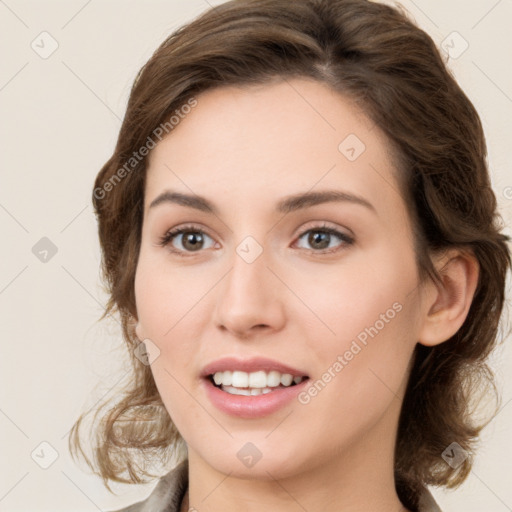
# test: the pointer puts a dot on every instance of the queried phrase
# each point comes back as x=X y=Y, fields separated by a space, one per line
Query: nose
x=249 y=299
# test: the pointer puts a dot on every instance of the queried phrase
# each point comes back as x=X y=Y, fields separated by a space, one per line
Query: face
x=323 y=288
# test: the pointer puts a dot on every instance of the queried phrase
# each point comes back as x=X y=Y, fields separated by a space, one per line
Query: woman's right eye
x=190 y=238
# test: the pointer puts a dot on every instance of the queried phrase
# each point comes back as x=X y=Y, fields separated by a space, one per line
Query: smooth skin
x=244 y=150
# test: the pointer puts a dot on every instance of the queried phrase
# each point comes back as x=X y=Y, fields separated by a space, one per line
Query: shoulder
x=167 y=495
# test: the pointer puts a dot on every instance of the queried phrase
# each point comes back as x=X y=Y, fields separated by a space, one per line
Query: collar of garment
x=168 y=494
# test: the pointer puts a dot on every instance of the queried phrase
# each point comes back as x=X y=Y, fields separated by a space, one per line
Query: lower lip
x=255 y=406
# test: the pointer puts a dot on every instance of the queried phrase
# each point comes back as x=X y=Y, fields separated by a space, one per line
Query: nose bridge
x=249 y=268
x=248 y=297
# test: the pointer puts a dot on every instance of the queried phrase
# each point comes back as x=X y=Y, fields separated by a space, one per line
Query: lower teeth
x=248 y=391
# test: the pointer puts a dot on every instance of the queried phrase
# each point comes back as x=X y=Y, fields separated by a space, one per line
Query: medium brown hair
x=374 y=55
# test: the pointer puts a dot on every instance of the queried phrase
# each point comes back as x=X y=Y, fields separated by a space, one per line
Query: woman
x=300 y=237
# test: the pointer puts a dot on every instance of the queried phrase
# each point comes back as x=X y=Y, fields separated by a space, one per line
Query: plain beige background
x=60 y=115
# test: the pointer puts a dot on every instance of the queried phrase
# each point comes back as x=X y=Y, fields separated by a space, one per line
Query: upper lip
x=249 y=365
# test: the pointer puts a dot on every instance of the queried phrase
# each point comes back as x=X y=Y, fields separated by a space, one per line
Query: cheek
x=165 y=295
x=171 y=310
x=362 y=373
x=162 y=303
x=372 y=319
x=367 y=294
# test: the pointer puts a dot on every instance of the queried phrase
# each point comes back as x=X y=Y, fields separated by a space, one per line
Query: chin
x=256 y=460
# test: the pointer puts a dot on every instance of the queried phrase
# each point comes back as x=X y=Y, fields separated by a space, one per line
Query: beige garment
x=170 y=490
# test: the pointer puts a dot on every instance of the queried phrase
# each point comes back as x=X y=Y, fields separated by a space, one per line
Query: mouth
x=237 y=382
x=252 y=388
x=254 y=394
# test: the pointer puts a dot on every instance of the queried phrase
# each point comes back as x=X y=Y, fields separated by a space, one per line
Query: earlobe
x=448 y=303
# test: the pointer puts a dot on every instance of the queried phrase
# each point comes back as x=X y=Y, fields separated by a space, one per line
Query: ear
x=447 y=304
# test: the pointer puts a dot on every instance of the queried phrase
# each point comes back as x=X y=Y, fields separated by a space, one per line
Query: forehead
x=273 y=139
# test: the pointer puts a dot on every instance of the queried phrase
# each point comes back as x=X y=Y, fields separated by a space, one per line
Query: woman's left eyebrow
x=307 y=199
x=285 y=205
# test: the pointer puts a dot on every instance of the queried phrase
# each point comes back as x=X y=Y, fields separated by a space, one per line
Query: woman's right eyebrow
x=192 y=201
x=286 y=205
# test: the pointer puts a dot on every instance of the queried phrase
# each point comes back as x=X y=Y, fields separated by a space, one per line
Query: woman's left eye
x=320 y=239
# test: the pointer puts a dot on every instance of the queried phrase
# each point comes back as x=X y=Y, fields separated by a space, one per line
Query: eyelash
x=171 y=234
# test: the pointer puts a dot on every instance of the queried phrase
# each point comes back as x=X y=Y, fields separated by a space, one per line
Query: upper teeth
x=259 y=379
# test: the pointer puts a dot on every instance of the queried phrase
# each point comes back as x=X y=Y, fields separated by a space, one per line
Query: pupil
x=194 y=239
x=316 y=238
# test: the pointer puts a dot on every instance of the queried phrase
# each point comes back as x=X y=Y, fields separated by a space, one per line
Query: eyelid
x=322 y=224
